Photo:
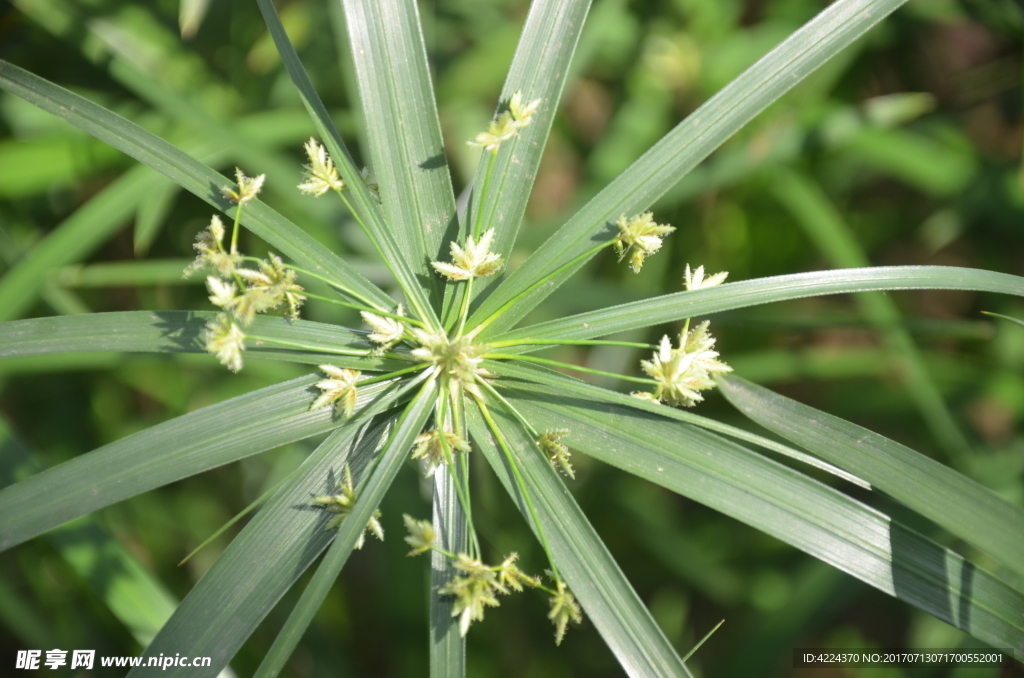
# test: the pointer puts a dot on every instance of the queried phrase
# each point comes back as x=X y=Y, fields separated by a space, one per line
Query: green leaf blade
x=369 y=496
x=447 y=646
x=593 y=575
x=187 y=172
x=953 y=501
x=661 y=167
x=680 y=305
x=162 y=454
x=786 y=504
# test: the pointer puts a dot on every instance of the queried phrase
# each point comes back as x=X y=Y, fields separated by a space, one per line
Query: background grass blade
x=696 y=137
x=126 y=587
x=76 y=237
x=265 y=559
x=369 y=496
x=176 y=449
x=181 y=332
x=672 y=307
x=188 y=173
x=786 y=504
x=447 y=647
x=364 y=204
x=540 y=69
x=951 y=500
x=824 y=225
x=404 y=133
x=607 y=597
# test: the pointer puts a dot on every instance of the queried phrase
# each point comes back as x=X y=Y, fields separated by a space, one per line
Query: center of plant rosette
x=455 y=358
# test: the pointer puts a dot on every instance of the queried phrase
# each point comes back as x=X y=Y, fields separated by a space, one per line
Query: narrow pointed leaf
x=162 y=454
x=694 y=139
x=540 y=69
x=447 y=646
x=369 y=496
x=181 y=332
x=404 y=132
x=786 y=504
x=583 y=390
x=188 y=173
x=363 y=203
x=950 y=499
x=259 y=566
x=672 y=307
x=607 y=597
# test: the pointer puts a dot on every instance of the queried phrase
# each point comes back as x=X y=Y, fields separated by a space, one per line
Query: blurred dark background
x=905 y=149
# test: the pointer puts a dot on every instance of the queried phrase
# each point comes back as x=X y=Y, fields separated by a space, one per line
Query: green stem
x=522 y=420
x=567 y=366
x=368 y=305
x=235 y=229
x=702 y=641
x=497 y=314
x=464 y=310
x=461 y=484
x=392 y=375
x=569 y=342
x=336 y=351
x=481 y=205
x=380 y=252
x=521 y=483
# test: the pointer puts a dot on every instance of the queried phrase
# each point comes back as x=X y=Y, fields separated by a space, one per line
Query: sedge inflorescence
x=455 y=357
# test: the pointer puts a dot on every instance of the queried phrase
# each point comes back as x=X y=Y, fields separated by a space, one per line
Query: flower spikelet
x=338 y=389
x=695 y=280
x=386 y=331
x=342 y=504
x=248 y=188
x=641 y=236
x=564 y=609
x=509 y=574
x=320 y=175
x=272 y=285
x=226 y=340
x=210 y=246
x=474 y=261
x=429 y=446
x=500 y=130
x=683 y=372
x=221 y=293
x=421 y=535
x=473 y=591
x=557 y=451
x=521 y=113
x=460 y=358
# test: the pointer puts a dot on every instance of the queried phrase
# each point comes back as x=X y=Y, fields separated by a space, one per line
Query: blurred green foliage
x=906 y=149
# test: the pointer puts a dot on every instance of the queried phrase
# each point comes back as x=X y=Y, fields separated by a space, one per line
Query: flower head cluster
x=342 y=504
x=338 y=389
x=641 y=236
x=475 y=260
x=320 y=175
x=421 y=535
x=682 y=373
x=478 y=585
x=226 y=340
x=459 y=358
x=386 y=331
x=695 y=280
x=272 y=285
x=564 y=609
x=210 y=246
x=430 y=447
x=248 y=188
x=557 y=451
x=507 y=125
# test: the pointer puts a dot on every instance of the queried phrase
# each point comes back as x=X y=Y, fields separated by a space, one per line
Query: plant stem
x=569 y=342
x=497 y=314
x=392 y=375
x=479 y=221
x=499 y=436
x=460 y=490
x=555 y=363
x=360 y=353
x=234 y=230
x=380 y=252
x=522 y=420
x=703 y=640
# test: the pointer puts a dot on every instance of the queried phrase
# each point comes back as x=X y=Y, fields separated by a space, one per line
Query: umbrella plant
x=448 y=374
